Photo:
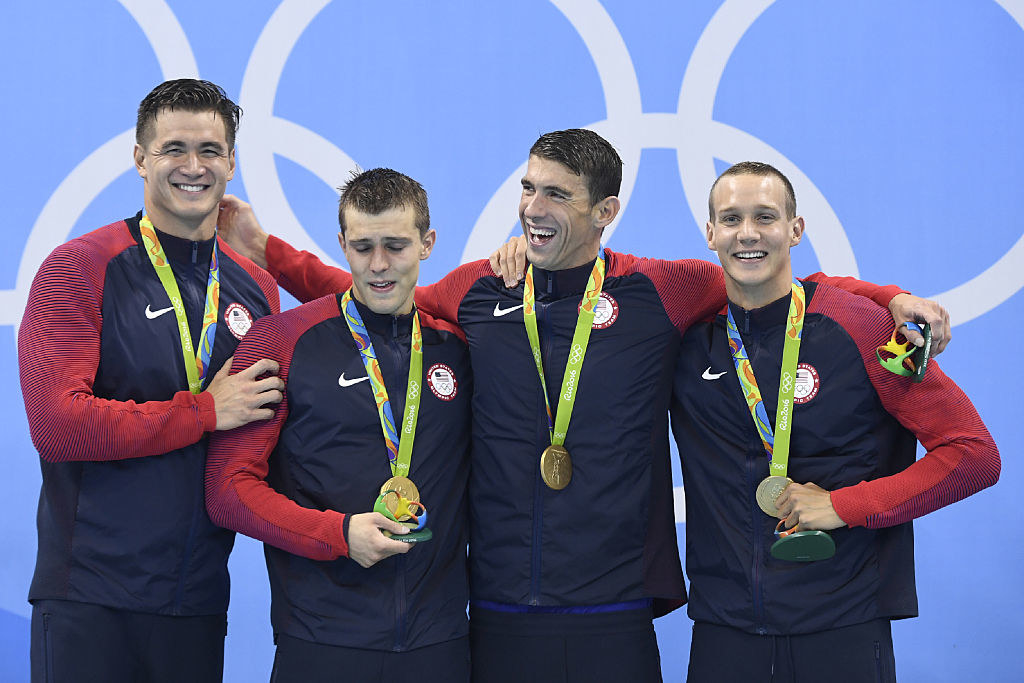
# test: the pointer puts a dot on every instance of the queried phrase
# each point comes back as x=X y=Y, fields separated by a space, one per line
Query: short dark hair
x=188 y=94
x=586 y=154
x=379 y=189
x=763 y=170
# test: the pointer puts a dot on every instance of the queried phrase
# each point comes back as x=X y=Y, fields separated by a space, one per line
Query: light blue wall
x=899 y=122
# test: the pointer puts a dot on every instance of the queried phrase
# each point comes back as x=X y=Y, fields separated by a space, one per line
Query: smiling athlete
x=816 y=409
x=121 y=351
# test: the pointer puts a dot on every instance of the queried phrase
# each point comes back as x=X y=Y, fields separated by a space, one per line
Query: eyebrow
x=549 y=188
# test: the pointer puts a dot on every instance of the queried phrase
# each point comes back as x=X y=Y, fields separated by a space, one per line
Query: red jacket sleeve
x=880 y=294
x=237 y=462
x=58 y=353
x=306 y=277
x=961 y=456
x=301 y=273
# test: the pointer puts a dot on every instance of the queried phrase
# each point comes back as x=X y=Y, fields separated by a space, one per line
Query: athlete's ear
x=231 y=164
x=427 y=244
x=140 y=160
x=709 y=231
x=797 y=231
x=341 y=241
x=605 y=211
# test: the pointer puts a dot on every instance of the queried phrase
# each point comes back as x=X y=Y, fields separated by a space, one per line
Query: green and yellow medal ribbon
x=559 y=426
x=196 y=362
x=399 y=449
x=776 y=444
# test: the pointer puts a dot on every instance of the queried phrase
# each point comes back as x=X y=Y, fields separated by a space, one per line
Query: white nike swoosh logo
x=156 y=314
x=499 y=311
x=342 y=382
x=712 y=375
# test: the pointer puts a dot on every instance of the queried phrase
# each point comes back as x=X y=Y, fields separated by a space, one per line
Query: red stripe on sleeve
x=442 y=299
x=58 y=354
x=961 y=456
x=263 y=278
x=880 y=294
x=301 y=273
x=237 y=494
x=690 y=290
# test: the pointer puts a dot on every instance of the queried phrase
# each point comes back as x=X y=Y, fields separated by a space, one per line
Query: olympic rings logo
x=576 y=354
x=787 y=381
x=691 y=130
x=414 y=389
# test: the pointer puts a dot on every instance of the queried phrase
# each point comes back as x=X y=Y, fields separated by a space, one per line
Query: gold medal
x=556 y=467
x=768 y=491
x=404 y=487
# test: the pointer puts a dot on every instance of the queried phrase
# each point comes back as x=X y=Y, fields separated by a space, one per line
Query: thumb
x=225 y=369
x=394 y=527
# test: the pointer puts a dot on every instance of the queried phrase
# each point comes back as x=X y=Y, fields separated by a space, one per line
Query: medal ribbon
x=399 y=450
x=196 y=362
x=558 y=427
x=777 y=444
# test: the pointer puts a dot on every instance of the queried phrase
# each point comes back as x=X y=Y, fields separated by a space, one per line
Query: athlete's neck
x=197 y=231
x=757 y=296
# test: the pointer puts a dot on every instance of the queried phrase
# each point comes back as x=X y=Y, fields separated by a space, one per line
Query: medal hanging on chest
x=793 y=544
x=196 y=362
x=399 y=498
x=555 y=461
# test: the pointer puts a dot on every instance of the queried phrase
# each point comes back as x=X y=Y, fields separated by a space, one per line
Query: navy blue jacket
x=293 y=481
x=121 y=517
x=854 y=433
x=608 y=538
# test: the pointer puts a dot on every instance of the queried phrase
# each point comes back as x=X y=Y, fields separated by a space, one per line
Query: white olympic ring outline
x=697 y=137
x=576 y=354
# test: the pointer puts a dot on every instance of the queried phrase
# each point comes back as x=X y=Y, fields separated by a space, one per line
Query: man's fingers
x=260 y=367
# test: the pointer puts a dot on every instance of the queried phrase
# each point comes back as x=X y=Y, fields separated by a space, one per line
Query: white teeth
x=190 y=188
x=381 y=285
x=542 y=232
x=751 y=254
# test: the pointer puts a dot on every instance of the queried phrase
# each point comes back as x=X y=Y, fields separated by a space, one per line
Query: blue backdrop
x=899 y=123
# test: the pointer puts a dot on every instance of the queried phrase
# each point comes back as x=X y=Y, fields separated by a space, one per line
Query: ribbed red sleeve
x=237 y=494
x=880 y=294
x=301 y=273
x=961 y=456
x=690 y=289
x=59 y=351
x=265 y=281
x=442 y=299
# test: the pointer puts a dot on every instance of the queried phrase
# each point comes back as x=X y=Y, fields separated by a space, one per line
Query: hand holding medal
x=399 y=501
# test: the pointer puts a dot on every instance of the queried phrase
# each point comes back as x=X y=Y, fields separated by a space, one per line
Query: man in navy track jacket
x=854 y=430
x=121 y=349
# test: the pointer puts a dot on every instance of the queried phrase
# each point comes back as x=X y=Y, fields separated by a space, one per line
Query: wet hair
x=763 y=170
x=586 y=154
x=187 y=94
x=375 y=191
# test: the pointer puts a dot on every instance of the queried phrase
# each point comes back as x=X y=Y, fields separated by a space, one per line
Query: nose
x=748 y=231
x=534 y=206
x=192 y=164
x=378 y=260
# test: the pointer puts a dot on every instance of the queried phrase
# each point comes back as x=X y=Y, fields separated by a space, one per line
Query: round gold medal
x=404 y=487
x=768 y=491
x=555 y=467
